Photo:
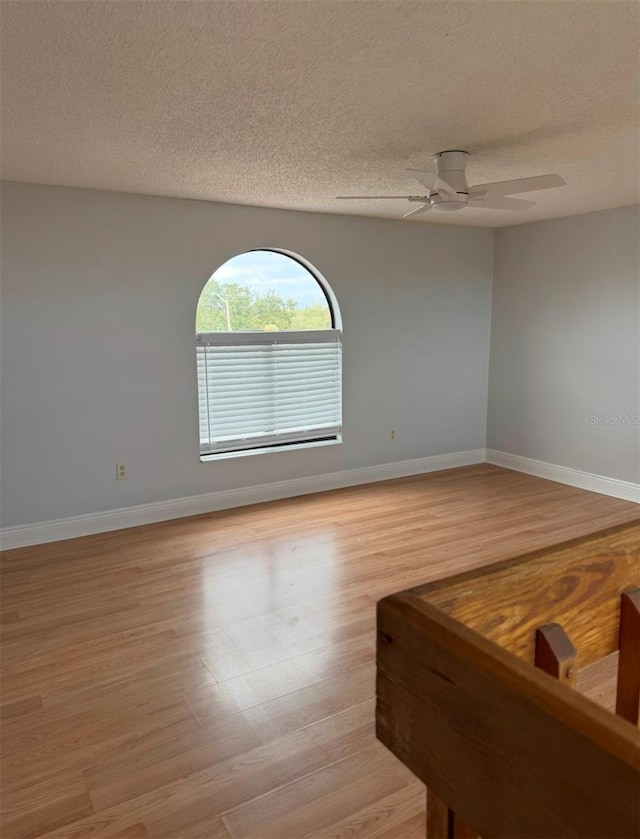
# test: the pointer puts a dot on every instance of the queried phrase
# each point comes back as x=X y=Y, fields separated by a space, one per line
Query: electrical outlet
x=121 y=472
x=392 y=435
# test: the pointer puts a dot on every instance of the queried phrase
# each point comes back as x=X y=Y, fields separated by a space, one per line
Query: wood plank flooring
x=213 y=677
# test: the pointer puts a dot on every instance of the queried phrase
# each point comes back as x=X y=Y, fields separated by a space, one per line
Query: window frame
x=264 y=338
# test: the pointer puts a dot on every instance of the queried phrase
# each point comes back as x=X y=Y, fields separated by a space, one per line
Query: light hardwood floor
x=213 y=677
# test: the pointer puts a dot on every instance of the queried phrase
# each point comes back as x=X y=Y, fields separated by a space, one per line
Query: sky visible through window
x=265 y=271
x=262 y=290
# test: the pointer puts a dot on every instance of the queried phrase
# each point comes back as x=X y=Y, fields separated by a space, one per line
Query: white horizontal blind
x=260 y=389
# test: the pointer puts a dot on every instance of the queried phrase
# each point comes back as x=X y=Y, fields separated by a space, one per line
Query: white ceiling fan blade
x=434 y=183
x=423 y=209
x=519 y=185
x=370 y=197
x=427 y=179
x=498 y=202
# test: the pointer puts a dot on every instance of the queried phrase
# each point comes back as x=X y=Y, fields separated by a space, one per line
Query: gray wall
x=564 y=343
x=98 y=302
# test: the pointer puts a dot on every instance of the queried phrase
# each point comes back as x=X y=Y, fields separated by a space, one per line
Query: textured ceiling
x=287 y=103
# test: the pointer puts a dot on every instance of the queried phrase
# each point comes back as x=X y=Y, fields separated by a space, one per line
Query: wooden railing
x=474 y=692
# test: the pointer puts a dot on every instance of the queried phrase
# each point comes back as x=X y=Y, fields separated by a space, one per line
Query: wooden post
x=438 y=817
x=628 y=688
x=443 y=823
x=462 y=830
x=555 y=654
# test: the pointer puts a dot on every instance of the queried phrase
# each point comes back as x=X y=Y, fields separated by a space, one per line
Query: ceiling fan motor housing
x=450 y=167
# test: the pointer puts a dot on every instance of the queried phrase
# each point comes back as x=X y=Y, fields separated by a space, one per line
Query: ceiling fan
x=448 y=189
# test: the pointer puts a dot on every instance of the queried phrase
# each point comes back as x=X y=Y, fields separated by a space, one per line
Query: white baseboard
x=69 y=528
x=21 y=536
x=565 y=475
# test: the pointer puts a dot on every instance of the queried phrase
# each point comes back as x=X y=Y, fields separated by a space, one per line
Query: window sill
x=207 y=458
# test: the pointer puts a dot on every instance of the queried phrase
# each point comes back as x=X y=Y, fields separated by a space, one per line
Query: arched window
x=268 y=348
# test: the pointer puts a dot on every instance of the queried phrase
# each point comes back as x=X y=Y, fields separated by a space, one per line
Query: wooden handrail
x=512 y=751
x=628 y=688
